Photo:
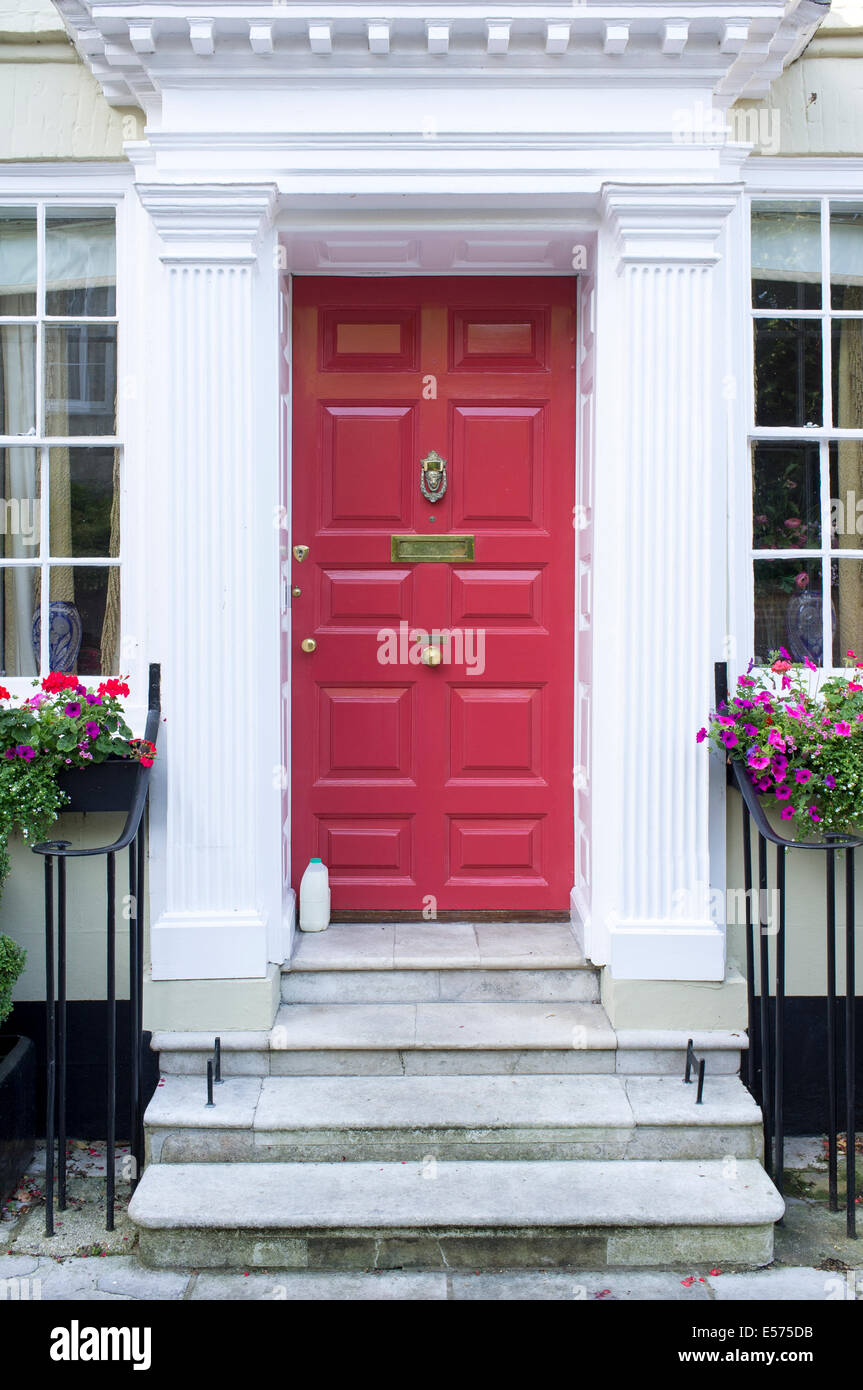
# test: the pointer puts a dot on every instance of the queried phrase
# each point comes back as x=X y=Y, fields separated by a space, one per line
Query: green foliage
x=12 y=960
x=64 y=725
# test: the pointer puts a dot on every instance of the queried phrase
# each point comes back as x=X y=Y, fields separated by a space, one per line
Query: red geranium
x=113 y=688
x=4 y=693
x=58 y=681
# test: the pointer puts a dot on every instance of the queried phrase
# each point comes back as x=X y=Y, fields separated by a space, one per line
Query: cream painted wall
x=51 y=106
x=818 y=100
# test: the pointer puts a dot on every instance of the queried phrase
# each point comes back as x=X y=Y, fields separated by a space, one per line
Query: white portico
x=289 y=139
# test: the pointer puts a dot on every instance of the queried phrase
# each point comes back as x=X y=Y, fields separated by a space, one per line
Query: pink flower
x=729 y=739
x=699 y=737
x=814 y=814
x=783 y=793
x=93 y=729
x=843 y=729
x=787 y=812
x=802 y=775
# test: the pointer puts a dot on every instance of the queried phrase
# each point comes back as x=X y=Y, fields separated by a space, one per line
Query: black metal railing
x=766 y=1070
x=694 y=1063
x=765 y=1064
x=131 y=838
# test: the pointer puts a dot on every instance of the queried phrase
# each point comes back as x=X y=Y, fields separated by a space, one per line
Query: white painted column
x=659 y=548
x=215 y=842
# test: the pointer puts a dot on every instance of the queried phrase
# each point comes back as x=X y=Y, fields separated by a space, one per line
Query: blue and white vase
x=64 y=635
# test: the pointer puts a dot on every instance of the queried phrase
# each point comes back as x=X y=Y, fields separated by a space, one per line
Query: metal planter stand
x=131 y=838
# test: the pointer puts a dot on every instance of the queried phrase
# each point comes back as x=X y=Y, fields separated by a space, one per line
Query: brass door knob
x=431 y=656
x=309 y=644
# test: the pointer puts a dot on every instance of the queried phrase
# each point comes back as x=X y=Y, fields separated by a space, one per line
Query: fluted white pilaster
x=216 y=878
x=660 y=512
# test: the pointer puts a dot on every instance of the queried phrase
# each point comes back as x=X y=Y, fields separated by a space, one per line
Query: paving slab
x=782 y=1285
x=578 y=1287
x=349 y=1287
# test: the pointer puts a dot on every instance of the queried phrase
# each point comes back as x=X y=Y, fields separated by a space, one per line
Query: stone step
x=414 y=986
x=439 y=946
x=398 y=1118
x=456 y=1215
x=437 y=1039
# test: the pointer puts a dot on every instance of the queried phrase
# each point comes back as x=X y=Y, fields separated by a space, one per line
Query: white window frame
x=824 y=195
x=86 y=187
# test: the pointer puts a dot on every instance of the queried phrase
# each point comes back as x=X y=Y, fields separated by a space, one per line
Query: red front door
x=448 y=782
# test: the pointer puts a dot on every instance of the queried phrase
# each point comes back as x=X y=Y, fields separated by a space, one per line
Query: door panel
x=455 y=781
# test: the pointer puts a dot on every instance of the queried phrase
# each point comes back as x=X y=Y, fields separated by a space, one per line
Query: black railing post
x=750 y=944
x=850 y=1053
x=765 y=1089
x=61 y=1034
x=779 y=1027
x=134 y=1041
x=111 y=991
x=832 y=1150
x=50 y=1046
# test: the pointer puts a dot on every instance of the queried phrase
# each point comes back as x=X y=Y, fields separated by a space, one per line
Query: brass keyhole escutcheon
x=309 y=644
x=431 y=656
x=300 y=553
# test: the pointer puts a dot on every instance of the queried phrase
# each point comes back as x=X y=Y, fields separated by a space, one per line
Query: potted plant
x=800 y=739
x=17 y=1080
x=65 y=747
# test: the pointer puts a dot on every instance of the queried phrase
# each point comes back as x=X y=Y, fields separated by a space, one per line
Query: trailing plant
x=12 y=961
x=63 y=725
x=801 y=741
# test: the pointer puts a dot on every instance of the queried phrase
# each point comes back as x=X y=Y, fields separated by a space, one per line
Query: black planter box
x=107 y=786
x=17 y=1110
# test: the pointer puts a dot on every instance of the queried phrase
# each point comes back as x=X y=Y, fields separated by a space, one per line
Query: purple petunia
x=93 y=729
x=783 y=793
x=802 y=775
x=829 y=781
x=699 y=737
x=729 y=739
x=787 y=812
x=73 y=709
x=94 y=699
x=26 y=752
x=843 y=729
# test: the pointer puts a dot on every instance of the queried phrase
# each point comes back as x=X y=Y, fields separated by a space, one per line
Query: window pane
x=786 y=500
x=847 y=365
x=846 y=255
x=788 y=609
x=84 y=502
x=788 y=372
x=786 y=256
x=846 y=595
x=80 y=271
x=17 y=379
x=85 y=617
x=19 y=598
x=17 y=261
x=80 y=378
x=19 y=503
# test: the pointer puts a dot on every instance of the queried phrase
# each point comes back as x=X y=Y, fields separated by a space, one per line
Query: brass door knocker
x=433 y=477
